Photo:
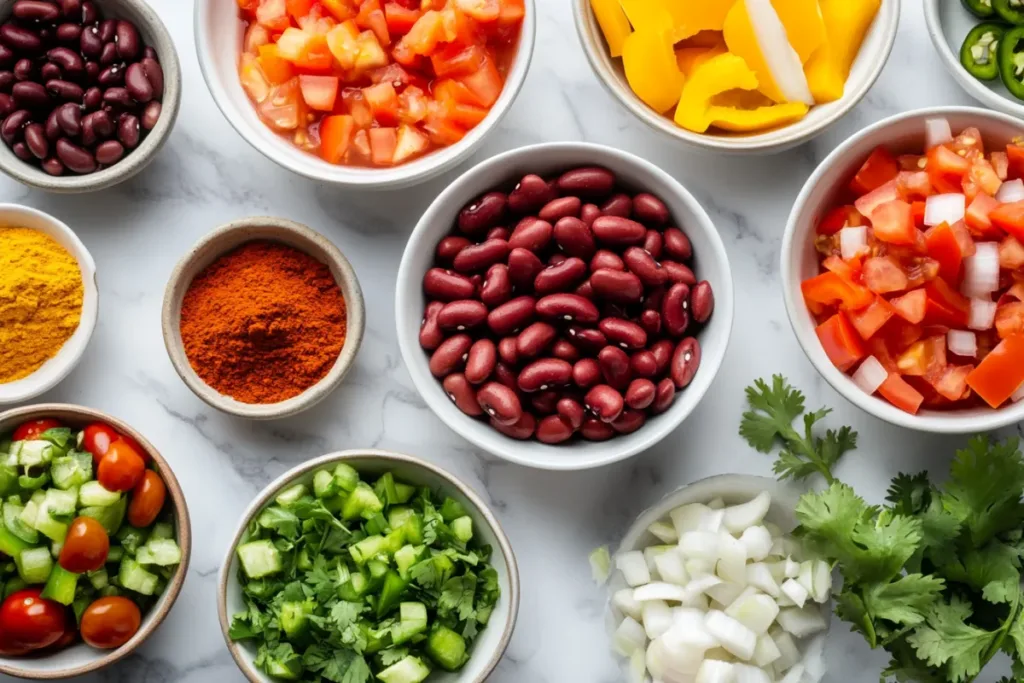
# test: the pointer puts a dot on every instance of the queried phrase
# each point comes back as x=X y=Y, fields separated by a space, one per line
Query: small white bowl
x=901 y=133
x=218 y=33
x=57 y=368
x=873 y=55
x=711 y=264
x=494 y=638
x=948 y=24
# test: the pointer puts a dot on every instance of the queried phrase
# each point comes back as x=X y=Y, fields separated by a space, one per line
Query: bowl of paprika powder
x=263 y=318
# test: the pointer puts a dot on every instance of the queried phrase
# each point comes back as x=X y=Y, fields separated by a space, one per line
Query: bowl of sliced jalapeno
x=981 y=44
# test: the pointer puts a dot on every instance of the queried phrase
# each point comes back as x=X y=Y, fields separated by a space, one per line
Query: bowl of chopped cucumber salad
x=94 y=540
x=368 y=566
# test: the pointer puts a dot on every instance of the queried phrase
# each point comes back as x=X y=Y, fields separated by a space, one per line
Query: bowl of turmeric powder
x=49 y=302
x=263 y=318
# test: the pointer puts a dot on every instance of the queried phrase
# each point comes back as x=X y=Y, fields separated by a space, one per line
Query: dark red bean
x=586 y=290
x=532 y=193
x=589 y=181
x=149 y=53
x=589 y=213
x=129 y=44
x=589 y=340
x=445 y=285
x=564 y=349
x=456 y=315
x=35 y=140
x=653 y=244
x=128 y=131
x=151 y=115
x=54 y=131
x=431 y=335
x=617 y=286
x=109 y=152
x=119 y=97
x=450 y=356
x=568 y=307
x=482 y=359
x=12 y=127
x=65 y=90
x=462 y=394
x=560 y=278
x=553 y=429
x=544 y=402
x=643 y=364
x=619 y=205
x=662 y=351
x=498 y=234
x=625 y=333
x=24 y=70
x=155 y=74
x=20 y=39
x=508 y=350
x=615 y=366
x=506 y=375
x=137 y=83
x=531 y=233
x=500 y=402
x=664 y=396
x=556 y=258
x=606 y=259
x=535 y=340
x=53 y=166
x=651 y=322
x=521 y=430
x=677 y=245
x=92 y=99
x=594 y=429
x=479 y=257
x=675 y=313
x=90 y=12
x=649 y=209
x=640 y=394
x=6 y=105
x=22 y=151
x=541 y=375
x=69 y=61
x=483 y=213
x=571 y=411
x=604 y=402
x=7 y=81
x=35 y=10
x=74 y=157
x=50 y=72
x=30 y=95
x=108 y=55
x=702 y=301
x=685 y=362
x=107 y=30
x=677 y=272
x=560 y=208
x=574 y=238
x=69 y=33
x=6 y=56
x=629 y=421
x=618 y=231
x=586 y=373
x=90 y=43
x=523 y=267
x=497 y=286
x=512 y=316
x=448 y=249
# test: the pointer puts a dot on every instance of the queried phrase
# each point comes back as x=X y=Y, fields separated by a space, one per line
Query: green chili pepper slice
x=1011 y=61
x=1010 y=10
x=979 y=8
x=979 y=53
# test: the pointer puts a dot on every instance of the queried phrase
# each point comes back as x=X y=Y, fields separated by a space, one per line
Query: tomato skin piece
x=85 y=547
x=834 y=221
x=945 y=305
x=298 y=9
x=147 y=500
x=893 y=222
x=1009 y=217
x=335 y=137
x=946 y=169
x=319 y=92
x=383 y=142
x=879 y=168
x=484 y=11
x=841 y=342
x=897 y=392
x=1010 y=319
x=944 y=248
x=979 y=217
x=110 y=622
x=952 y=384
x=400 y=19
x=911 y=306
x=28 y=431
x=276 y=69
x=882 y=275
x=486 y=83
x=925 y=358
x=850 y=271
x=30 y=622
x=121 y=468
x=917 y=210
x=1000 y=373
x=96 y=439
x=830 y=289
x=871 y=318
x=1015 y=160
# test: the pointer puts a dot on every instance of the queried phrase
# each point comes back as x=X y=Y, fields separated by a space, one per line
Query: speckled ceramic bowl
x=227 y=238
x=80 y=659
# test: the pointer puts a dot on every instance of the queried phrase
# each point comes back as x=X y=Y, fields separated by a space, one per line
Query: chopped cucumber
x=346 y=477
x=391 y=593
x=409 y=670
x=60 y=586
x=42 y=519
x=259 y=559
x=398 y=515
x=34 y=564
x=131 y=538
x=362 y=502
x=412 y=530
x=35 y=453
x=11 y=545
x=55 y=549
x=452 y=509
x=92 y=494
x=31 y=483
x=288 y=670
x=14 y=523
x=99 y=579
x=462 y=527
x=413 y=612
x=447 y=648
x=294 y=619
x=133 y=577
x=115 y=554
x=60 y=437
x=71 y=470
x=354 y=589
x=110 y=517
x=8 y=478
x=60 y=505
x=14 y=585
x=324 y=485
x=385 y=489
x=404 y=492
x=161 y=530
x=291 y=495
x=368 y=548
x=163 y=552
x=407 y=556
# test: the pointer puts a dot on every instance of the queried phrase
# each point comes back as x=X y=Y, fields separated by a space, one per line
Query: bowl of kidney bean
x=564 y=305
x=89 y=91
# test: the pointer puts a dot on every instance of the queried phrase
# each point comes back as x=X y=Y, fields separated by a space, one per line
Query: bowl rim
x=348 y=282
x=183 y=522
x=68 y=360
x=518 y=452
x=750 y=144
x=140 y=157
x=271 y=489
x=396 y=177
x=967 y=83
x=936 y=422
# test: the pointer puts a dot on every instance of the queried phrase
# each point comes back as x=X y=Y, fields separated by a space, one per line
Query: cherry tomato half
x=96 y=438
x=121 y=468
x=28 y=622
x=147 y=500
x=68 y=637
x=110 y=622
x=31 y=430
x=85 y=546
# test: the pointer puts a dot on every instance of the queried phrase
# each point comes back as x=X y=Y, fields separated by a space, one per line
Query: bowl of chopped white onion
x=709 y=587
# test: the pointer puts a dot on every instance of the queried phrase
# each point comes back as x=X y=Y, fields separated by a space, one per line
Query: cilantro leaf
x=905 y=601
x=344 y=614
x=909 y=494
x=990 y=570
x=457 y=596
x=985 y=488
x=947 y=640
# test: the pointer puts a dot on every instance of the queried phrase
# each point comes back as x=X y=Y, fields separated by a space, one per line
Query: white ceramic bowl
x=489 y=646
x=711 y=264
x=948 y=24
x=57 y=368
x=869 y=63
x=218 y=44
x=901 y=133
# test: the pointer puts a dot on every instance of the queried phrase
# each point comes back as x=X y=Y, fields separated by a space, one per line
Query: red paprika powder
x=263 y=323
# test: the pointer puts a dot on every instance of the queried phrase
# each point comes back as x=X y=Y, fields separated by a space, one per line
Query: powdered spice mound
x=263 y=323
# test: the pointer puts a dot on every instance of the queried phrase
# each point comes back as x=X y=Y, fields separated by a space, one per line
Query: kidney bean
x=677 y=272
x=481 y=361
x=461 y=315
x=618 y=231
x=107 y=29
x=13 y=125
x=619 y=205
x=72 y=9
x=108 y=55
x=649 y=209
x=69 y=61
x=604 y=402
x=574 y=238
x=662 y=352
x=556 y=258
x=586 y=373
x=564 y=349
x=532 y=193
x=35 y=10
x=149 y=53
x=445 y=285
x=137 y=83
x=54 y=131
x=129 y=44
x=532 y=234
x=589 y=213
x=69 y=33
x=431 y=335
x=702 y=301
x=497 y=286
x=500 y=402
x=588 y=181
x=451 y=355
x=20 y=39
x=559 y=278
x=53 y=166
x=90 y=12
x=595 y=430
x=6 y=105
x=629 y=421
x=654 y=297
x=35 y=140
x=24 y=70
x=535 y=339
x=481 y=256
x=90 y=43
x=506 y=375
x=543 y=374
x=617 y=286
x=585 y=289
x=604 y=258
x=568 y=307
x=664 y=396
x=651 y=322
x=508 y=350
x=512 y=316
x=65 y=90
x=560 y=208
x=498 y=234
x=22 y=151
x=50 y=72
x=462 y=394
x=543 y=402
x=523 y=267
x=128 y=131
x=625 y=333
x=74 y=157
x=590 y=340
x=553 y=430
x=89 y=136
x=483 y=213
x=155 y=73
x=675 y=310
x=521 y=430
x=571 y=411
x=614 y=366
x=640 y=394
x=119 y=97
x=677 y=245
x=653 y=244
x=6 y=56
x=643 y=364
x=151 y=115
x=30 y=95
x=7 y=81
x=93 y=99
x=685 y=362
x=448 y=249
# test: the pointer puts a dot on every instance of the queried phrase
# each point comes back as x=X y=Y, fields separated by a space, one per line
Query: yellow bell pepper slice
x=651 y=69
x=613 y=22
x=647 y=15
x=703 y=39
x=826 y=81
x=804 y=25
x=846 y=24
x=693 y=16
x=754 y=31
x=689 y=58
x=697 y=111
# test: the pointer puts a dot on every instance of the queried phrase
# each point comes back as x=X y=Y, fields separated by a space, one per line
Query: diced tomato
x=283 y=108
x=410 y=143
x=412 y=105
x=361 y=145
x=252 y=78
x=964 y=239
x=440 y=128
x=298 y=9
x=917 y=209
x=273 y=14
x=880 y=168
x=946 y=306
x=1011 y=253
x=512 y=11
x=1001 y=164
x=884 y=193
x=944 y=248
x=946 y=169
x=485 y=83
x=952 y=384
x=317 y=21
x=458 y=27
x=400 y=18
x=424 y=35
x=342 y=41
x=968 y=144
x=981 y=178
x=255 y=36
x=848 y=270
x=898 y=334
x=1010 y=319
x=370 y=53
x=466 y=115
x=358 y=107
x=911 y=162
x=305 y=49
x=1009 y=217
x=398 y=76
x=335 y=136
x=841 y=342
x=834 y=221
x=1001 y=372
x=319 y=92
x=897 y=392
x=913 y=185
x=371 y=17
x=893 y=222
x=383 y=142
x=383 y=101
x=911 y=306
x=456 y=60
x=978 y=216
x=342 y=10
x=883 y=275
x=829 y=289
x=447 y=89
x=925 y=358
x=871 y=318
x=1015 y=159
x=484 y=11
x=275 y=68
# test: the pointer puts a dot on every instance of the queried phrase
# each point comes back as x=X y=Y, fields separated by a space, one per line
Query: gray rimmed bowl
x=81 y=659
x=154 y=34
x=227 y=238
x=490 y=645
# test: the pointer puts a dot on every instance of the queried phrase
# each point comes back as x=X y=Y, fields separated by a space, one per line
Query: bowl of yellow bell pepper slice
x=739 y=76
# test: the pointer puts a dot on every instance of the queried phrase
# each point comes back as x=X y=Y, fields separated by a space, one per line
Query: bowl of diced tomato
x=903 y=269
x=365 y=93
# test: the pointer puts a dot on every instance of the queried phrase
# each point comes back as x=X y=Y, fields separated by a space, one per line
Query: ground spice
x=41 y=295
x=263 y=323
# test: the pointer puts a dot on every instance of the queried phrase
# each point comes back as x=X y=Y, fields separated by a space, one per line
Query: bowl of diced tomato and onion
x=903 y=270
x=365 y=93
x=94 y=536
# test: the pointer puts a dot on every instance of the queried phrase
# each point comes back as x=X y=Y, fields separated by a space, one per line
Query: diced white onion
x=699 y=568
x=806 y=576
x=638 y=667
x=634 y=568
x=751 y=674
x=962 y=343
x=760 y=576
x=713 y=521
x=656 y=659
x=1018 y=395
x=822 y=581
x=689 y=633
x=944 y=208
x=666 y=533
x=766 y=651
x=681 y=664
x=732 y=563
x=781 y=59
x=981 y=271
x=714 y=671
x=758 y=542
x=1011 y=191
x=734 y=636
x=699 y=545
x=870 y=375
x=624 y=602
x=670 y=567
x=702 y=584
x=740 y=517
x=688 y=517
x=792 y=589
x=650 y=553
x=937 y=132
x=717 y=503
x=792 y=568
x=802 y=622
x=756 y=612
x=657 y=618
x=629 y=637
x=795 y=675
x=659 y=590
x=852 y=241
x=725 y=593
x=790 y=655
x=982 y=315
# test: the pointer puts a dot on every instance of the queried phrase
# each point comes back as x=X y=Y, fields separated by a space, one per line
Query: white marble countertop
x=207 y=175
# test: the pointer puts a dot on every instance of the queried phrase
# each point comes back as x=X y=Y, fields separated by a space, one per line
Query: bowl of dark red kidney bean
x=89 y=91
x=564 y=306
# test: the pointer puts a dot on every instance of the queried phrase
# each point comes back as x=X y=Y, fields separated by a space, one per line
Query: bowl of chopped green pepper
x=368 y=566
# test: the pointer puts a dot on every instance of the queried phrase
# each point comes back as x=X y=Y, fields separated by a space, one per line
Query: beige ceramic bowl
x=229 y=237
x=80 y=659
x=873 y=55
x=489 y=646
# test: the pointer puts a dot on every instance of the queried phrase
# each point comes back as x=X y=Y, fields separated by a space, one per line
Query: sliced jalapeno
x=979 y=8
x=1010 y=10
x=1011 y=61
x=979 y=53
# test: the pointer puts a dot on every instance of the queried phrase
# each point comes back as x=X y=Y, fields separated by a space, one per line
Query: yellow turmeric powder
x=41 y=295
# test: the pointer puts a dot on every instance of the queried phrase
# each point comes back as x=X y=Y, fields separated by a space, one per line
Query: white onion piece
x=758 y=542
x=681 y=664
x=734 y=636
x=773 y=529
x=629 y=637
x=1018 y=395
x=852 y=241
x=659 y=590
x=687 y=617
x=713 y=521
x=714 y=671
x=781 y=59
x=666 y=533
x=751 y=674
x=701 y=585
x=624 y=602
x=981 y=271
x=725 y=593
x=732 y=563
x=944 y=208
x=656 y=659
x=699 y=568
x=747 y=592
x=787 y=648
x=717 y=503
x=870 y=375
x=637 y=667
x=670 y=567
x=937 y=132
x=792 y=568
x=741 y=517
x=766 y=651
x=802 y=622
x=795 y=675
x=760 y=576
x=688 y=634
x=784 y=600
x=822 y=583
x=982 y=315
x=1011 y=191
x=756 y=612
x=699 y=545
x=806 y=576
x=792 y=589
x=651 y=552
x=634 y=568
x=688 y=517
x=962 y=343
x=657 y=618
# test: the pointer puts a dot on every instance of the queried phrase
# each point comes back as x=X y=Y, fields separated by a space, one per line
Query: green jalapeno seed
x=979 y=53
